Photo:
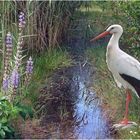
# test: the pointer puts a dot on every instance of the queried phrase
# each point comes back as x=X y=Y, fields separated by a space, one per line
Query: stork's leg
x=128 y=99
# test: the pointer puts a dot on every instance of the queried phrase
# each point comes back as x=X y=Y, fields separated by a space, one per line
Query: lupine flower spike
x=8 y=54
x=29 y=70
x=11 y=77
x=14 y=81
x=18 y=57
x=8 y=40
x=7 y=57
x=21 y=20
x=5 y=83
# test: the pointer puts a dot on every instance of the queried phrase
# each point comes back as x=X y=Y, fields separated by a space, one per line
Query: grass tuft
x=45 y=64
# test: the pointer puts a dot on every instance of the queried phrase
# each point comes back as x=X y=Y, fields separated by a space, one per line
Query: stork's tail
x=135 y=83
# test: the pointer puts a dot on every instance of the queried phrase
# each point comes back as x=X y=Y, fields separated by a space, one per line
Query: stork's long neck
x=113 y=47
x=114 y=42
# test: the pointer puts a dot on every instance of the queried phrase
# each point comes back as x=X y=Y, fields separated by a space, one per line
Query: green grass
x=44 y=66
x=113 y=98
x=50 y=61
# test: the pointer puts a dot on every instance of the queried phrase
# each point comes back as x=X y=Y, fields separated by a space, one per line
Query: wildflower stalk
x=14 y=82
x=18 y=57
x=8 y=55
x=11 y=77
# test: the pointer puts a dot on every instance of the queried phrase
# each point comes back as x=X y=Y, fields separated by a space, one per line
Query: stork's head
x=116 y=28
x=113 y=29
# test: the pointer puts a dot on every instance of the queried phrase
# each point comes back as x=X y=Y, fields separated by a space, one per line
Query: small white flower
x=89 y=25
x=135 y=132
x=131 y=132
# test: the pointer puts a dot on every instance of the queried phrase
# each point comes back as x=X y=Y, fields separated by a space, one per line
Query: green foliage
x=50 y=61
x=8 y=113
x=132 y=133
x=131 y=14
x=25 y=111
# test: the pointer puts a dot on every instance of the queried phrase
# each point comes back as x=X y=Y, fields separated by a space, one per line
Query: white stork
x=125 y=69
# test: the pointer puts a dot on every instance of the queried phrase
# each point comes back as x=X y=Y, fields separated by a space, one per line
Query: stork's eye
x=112 y=28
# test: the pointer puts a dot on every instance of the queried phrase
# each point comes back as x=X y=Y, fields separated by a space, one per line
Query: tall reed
x=47 y=21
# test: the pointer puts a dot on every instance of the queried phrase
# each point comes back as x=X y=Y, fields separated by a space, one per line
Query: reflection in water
x=79 y=108
x=88 y=113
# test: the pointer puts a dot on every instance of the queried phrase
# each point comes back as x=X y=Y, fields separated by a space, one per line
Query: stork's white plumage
x=125 y=69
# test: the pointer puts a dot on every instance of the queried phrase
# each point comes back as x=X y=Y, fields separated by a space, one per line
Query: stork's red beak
x=100 y=36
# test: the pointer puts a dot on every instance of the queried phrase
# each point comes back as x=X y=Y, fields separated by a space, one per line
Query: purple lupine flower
x=8 y=53
x=5 y=84
x=29 y=66
x=8 y=40
x=15 y=78
x=22 y=20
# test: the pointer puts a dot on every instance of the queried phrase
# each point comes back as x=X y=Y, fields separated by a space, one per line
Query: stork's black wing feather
x=133 y=82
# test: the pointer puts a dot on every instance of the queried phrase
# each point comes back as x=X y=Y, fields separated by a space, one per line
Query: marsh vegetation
x=51 y=75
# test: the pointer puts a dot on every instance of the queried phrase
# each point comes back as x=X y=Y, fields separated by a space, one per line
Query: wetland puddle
x=79 y=112
x=92 y=123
